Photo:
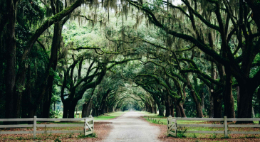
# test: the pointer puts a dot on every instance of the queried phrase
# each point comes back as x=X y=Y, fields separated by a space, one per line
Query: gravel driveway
x=130 y=128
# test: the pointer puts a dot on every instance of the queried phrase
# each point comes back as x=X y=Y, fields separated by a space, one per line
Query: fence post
x=85 y=126
x=34 y=126
x=168 y=123
x=225 y=125
x=175 y=124
x=90 y=116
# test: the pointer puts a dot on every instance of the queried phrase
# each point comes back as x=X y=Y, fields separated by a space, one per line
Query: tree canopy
x=194 y=58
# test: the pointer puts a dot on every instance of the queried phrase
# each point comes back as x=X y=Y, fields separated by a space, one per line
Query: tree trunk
x=258 y=99
x=10 y=59
x=25 y=107
x=211 y=89
x=195 y=98
x=202 y=101
x=46 y=108
x=171 y=109
x=238 y=97
x=211 y=104
x=245 y=102
x=155 y=109
x=146 y=107
x=47 y=100
x=69 y=106
x=199 y=111
x=158 y=102
x=56 y=42
x=31 y=114
x=102 y=110
x=167 y=110
x=2 y=72
x=103 y=102
x=150 y=108
x=19 y=94
x=182 y=110
x=167 y=107
x=253 y=112
x=109 y=109
x=26 y=97
x=65 y=109
x=161 y=110
x=198 y=104
x=179 y=109
x=217 y=100
x=72 y=108
x=94 y=113
x=86 y=109
x=228 y=97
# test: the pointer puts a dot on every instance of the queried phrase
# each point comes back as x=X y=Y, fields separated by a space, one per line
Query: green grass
x=148 y=113
x=154 y=118
x=163 y=120
x=59 y=137
x=93 y=135
x=109 y=115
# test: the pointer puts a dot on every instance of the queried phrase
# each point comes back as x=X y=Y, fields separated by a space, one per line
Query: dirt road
x=130 y=128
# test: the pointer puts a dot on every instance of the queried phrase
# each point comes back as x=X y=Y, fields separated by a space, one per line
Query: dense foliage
x=191 y=58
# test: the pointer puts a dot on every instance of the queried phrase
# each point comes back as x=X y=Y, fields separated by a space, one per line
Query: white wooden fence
x=173 y=125
x=88 y=124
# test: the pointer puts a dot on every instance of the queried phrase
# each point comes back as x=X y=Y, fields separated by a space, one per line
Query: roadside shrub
x=181 y=132
x=93 y=135
x=57 y=140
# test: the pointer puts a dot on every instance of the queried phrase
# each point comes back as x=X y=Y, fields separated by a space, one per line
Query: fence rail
x=173 y=126
x=88 y=127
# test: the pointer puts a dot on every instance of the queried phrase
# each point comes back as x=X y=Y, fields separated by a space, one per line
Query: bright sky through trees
x=177 y=2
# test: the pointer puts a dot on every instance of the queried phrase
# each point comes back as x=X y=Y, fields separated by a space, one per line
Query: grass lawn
x=57 y=137
x=154 y=118
x=108 y=116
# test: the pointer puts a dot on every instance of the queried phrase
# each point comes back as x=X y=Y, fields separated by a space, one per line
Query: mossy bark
x=179 y=109
x=87 y=109
x=56 y=42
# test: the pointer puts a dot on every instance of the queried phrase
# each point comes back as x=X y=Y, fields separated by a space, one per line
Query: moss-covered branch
x=97 y=49
x=175 y=95
x=201 y=17
x=205 y=48
x=57 y=17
